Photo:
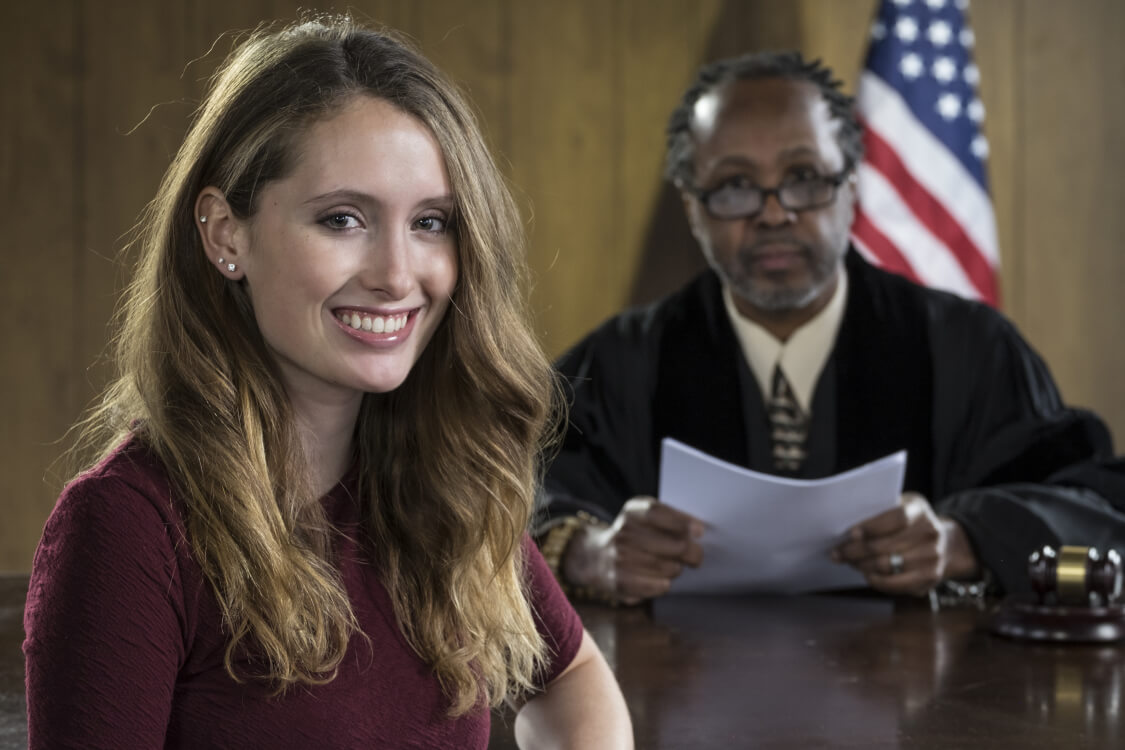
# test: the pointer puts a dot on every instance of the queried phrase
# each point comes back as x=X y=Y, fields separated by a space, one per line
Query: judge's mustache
x=762 y=245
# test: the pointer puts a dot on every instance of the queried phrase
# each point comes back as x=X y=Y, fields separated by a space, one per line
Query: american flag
x=924 y=208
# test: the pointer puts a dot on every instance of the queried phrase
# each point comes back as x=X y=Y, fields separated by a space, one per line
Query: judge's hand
x=637 y=556
x=925 y=548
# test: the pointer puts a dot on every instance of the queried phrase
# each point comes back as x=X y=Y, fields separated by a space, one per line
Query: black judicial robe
x=988 y=439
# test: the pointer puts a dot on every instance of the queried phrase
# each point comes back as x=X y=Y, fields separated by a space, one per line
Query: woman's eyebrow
x=347 y=195
x=343 y=194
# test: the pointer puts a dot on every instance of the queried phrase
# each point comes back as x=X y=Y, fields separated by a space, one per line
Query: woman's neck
x=326 y=432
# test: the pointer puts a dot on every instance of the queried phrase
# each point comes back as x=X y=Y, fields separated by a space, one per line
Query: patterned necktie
x=789 y=425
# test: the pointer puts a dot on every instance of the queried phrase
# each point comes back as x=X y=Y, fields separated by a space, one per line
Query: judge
x=793 y=355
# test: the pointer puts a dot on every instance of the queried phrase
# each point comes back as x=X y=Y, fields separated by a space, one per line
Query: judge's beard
x=780 y=298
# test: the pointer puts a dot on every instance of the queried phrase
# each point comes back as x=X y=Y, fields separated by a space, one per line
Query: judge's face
x=768 y=133
x=350 y=260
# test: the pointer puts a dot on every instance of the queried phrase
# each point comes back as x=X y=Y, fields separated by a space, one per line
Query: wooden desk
x=810 y=672
x=828 y=672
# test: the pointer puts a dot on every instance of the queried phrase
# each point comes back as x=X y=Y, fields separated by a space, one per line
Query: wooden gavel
x=1075 y=575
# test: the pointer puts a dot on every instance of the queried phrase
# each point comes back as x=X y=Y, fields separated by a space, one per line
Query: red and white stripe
x=920 y=212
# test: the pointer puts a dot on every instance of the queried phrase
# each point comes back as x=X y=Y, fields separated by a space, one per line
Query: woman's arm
x=104 y=638
x=582 y=708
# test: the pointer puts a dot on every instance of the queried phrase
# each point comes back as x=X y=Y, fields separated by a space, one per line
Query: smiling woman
x=349 y=260
x=305 y=522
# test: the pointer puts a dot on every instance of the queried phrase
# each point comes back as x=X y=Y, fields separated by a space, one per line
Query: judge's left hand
x=926 y=548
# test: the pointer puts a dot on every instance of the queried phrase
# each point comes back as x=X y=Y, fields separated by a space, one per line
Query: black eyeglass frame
x=834 y=180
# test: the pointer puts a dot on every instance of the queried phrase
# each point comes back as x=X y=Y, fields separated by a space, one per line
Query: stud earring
x=202 y=219
x=231 y=267
x=221 y=261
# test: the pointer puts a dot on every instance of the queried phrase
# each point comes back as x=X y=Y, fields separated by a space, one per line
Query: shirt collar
x=802 y=357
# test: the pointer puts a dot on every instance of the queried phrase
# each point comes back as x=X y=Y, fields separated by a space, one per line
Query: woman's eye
x=340 y=221
x=431 y=224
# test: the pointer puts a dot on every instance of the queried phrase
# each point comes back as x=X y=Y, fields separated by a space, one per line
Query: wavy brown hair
x=446 y=463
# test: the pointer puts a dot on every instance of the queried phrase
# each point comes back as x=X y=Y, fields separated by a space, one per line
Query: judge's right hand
x=639 y=555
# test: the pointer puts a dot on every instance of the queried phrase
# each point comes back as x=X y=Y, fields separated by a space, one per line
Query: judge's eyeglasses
x=738 y=198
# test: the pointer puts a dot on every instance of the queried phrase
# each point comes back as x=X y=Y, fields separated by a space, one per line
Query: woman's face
x=350 y=260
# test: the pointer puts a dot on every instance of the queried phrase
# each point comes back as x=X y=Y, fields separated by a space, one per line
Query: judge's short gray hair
x=680 y=155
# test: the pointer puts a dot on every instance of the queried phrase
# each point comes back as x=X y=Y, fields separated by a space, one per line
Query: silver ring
x=896 y=561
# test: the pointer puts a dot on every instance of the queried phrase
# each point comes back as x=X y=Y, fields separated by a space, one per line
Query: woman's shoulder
x=129 y=472
x=125 y=496
x=111 y=597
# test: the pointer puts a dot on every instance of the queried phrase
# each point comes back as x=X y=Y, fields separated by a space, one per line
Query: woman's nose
x=387 y=266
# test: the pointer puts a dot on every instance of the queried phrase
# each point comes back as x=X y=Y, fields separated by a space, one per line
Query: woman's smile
x=375 y=328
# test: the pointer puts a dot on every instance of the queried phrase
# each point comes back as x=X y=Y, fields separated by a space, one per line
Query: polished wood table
x=848 y=672
x=806 y=672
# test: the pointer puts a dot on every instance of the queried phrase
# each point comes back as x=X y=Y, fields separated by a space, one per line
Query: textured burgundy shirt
x=125 y=642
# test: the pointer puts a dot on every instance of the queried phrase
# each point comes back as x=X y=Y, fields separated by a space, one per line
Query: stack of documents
x=772 y=534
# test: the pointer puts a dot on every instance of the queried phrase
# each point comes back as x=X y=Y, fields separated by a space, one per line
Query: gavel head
x=1075 y=575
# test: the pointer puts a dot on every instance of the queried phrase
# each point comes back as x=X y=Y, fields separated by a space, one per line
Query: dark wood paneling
x=40 y=214
x=473 y=48
x=135 y=109
x=657 y=241
x=562 y=155
x=996 y=25
x=1073 y=77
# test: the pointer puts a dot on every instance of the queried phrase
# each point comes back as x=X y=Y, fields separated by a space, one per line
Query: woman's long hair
x=446 y=463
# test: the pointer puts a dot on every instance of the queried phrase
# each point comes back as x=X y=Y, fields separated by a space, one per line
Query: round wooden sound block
x=1024 y=617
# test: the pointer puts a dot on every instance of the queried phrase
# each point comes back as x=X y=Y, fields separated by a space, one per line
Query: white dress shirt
x=802 y=357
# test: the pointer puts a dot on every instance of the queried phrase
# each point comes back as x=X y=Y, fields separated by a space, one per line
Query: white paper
x=772 y=534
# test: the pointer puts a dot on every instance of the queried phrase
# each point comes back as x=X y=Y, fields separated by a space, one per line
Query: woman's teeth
x=373 y=323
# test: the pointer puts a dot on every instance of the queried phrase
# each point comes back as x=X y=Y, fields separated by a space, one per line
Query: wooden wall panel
x=836 y=32
x=574 y=98
x=473 y=49
x=759 y=25
x=40 y=121
x=134 y=116
x=562 y=151
x=996 y=24
x=656 y=243
x=1073 y=77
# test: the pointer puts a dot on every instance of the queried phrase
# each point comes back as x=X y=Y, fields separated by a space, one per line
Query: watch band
x=553 y=546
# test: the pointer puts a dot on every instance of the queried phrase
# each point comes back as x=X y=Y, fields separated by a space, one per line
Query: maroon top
x=125 y=641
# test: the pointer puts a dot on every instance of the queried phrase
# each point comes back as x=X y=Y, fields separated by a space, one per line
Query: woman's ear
x=224 y=235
